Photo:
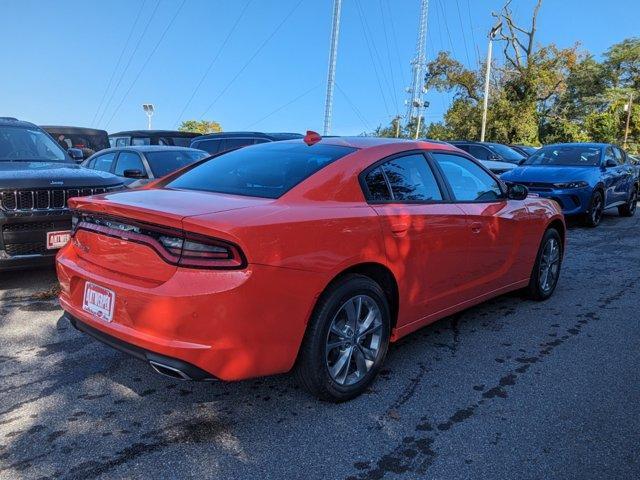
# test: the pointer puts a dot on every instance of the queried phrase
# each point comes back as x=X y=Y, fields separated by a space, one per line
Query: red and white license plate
x=98 y=301
x=57 y=240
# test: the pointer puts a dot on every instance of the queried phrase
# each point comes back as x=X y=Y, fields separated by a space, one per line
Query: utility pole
x=626 y=128
x=148 y=109
x=485 y=101
x=416 y=103
x=331 y=77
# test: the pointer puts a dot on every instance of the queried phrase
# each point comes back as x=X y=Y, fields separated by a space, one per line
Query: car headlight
x=579 y=184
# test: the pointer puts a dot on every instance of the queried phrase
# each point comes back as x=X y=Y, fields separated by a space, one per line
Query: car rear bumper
x=230 y=324
x=23 y=239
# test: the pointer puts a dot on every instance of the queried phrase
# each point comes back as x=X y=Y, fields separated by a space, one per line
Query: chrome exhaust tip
x=168 y=371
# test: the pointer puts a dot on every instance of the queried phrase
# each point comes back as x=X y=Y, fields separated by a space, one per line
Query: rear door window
x=479 y=152
x=468 y=181
x=212 y=146
x=104 y=163
x=129 y=161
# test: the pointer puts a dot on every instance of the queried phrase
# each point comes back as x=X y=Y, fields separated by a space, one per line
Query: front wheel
x=346 y=340
x=596 y=210
x=546 y=270
x=629 y=208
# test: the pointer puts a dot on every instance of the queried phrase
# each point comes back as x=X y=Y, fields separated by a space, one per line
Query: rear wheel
x=629 y=208
x=346 y=340
x=546 y=270
x=596 y=210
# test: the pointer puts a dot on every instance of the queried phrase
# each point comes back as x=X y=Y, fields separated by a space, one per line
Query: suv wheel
x=346 y=340
x=546 y=270
x=629 y=208
x=596 y=210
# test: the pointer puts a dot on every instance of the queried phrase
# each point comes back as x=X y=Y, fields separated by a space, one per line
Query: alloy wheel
x=633 y=202
x=597 y=210
x=354 y=340
x=549 y=265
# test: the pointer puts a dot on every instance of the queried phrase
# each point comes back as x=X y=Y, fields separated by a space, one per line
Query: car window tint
x=212 y=146
x=411 y=179
x=233 y=143
x=267 y=170
x=141 y=141
x=618 y=154
x=479 y=152
x=122 y=142
x=469 y=182
x=608 y=155
x=260 y=140
x=104 y=162
x=128 y=161
x=377 y=186
x=164 y=162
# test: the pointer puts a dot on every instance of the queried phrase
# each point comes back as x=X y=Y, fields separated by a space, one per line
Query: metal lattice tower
x=415 y=104
x=331 y=77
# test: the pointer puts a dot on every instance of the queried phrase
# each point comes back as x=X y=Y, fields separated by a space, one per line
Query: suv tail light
x=174 y=246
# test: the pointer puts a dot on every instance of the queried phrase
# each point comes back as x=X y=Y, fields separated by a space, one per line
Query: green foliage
x=200 y=126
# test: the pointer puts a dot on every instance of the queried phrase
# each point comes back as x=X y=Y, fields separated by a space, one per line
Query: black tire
x=312 y=369
x=596 y=210
x=629 y=208
x=535 y=290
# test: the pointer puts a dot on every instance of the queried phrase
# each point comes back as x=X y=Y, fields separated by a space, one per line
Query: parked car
x=489 y=151
x=137 y=166
x=584 y=178
x=498 y=167
x=152 y=137
x=221 y=142
x=89 y=140
x=311 y=253
x=37 y=178
x=524 y=150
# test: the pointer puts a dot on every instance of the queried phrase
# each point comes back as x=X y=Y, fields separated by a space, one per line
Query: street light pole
x=485 y=100
x=626 y=128
x=148 y=109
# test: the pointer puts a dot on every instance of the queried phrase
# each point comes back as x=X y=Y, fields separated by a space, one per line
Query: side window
x=463 y=147
x=619 y=155
x=260 y=140
x=479 y=152
x=608 y=155
x=377 y=186
x=211 y=146
x=469 y=182
x=140 y=141
x=410 y=179
x=122 y=141
x=128 y=161
x=233 y=143
x=103 y=162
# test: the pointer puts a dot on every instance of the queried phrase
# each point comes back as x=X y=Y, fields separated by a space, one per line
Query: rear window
x=165 y=162
x=267 y=170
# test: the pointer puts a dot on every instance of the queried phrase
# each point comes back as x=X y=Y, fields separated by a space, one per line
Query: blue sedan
x=584 y=178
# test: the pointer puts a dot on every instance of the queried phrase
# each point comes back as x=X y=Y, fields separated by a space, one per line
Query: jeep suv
x=37 y=177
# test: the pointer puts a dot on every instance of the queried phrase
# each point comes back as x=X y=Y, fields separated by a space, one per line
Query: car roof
x=270 y=136
x=368 y=142
x=73 y=130
x=149 y=148
x=14 y=122
x=147 y=133
x=579 y=144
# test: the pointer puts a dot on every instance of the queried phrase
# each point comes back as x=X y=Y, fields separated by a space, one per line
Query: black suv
x=489 y=151
x=221 y=142
x=37 y=177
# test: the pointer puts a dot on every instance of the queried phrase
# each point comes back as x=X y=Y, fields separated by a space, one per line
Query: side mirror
x=610 y=163
x=494 y=157
x=76 y=154
x=520 y=162
x=134 y=173
x=516 y=191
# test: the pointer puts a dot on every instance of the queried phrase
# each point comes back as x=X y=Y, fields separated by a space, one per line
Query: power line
x=386 y=40
x=446 y=26
x=213 y=61
x=115 y=69
x=135 y=49
x=146 y=62
x=373 y=61
x=354 y=108
x=284 y=106
x=473 y=36
x=464 y=37
x=255 y=54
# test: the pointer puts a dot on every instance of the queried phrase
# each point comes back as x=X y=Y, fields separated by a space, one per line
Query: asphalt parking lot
x=509 y=389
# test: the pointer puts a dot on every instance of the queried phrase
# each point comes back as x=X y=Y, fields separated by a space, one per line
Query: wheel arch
x=560 y=227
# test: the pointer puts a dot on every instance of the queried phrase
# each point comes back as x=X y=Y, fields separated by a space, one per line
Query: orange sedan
x=310 y=255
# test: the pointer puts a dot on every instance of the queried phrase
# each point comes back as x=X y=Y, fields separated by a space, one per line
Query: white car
x=498 y=167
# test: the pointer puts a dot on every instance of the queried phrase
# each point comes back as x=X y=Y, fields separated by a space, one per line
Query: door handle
x=476 y=227
x=399 y=228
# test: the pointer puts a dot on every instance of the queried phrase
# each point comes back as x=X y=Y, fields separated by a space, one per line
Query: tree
x=200 y=126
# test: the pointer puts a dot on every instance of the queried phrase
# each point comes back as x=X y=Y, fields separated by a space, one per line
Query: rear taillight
x=174 y=246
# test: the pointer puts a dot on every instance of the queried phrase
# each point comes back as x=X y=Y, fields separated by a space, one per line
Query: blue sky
x=58 y=57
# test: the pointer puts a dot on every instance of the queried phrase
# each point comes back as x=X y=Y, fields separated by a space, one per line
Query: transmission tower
x=416 y=103
x=331 y=77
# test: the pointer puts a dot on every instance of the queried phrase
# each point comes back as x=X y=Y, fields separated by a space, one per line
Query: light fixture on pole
x=485 y=102
x=148 y=109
